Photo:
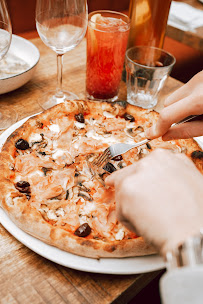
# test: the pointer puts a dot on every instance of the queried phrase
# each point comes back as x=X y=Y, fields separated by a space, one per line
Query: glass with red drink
x=107 y=38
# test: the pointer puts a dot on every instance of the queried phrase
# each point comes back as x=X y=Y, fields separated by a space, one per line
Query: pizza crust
x=31 y=221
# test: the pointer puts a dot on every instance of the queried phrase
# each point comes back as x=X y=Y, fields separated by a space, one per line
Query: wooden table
x=27 y=278
x=193 y=39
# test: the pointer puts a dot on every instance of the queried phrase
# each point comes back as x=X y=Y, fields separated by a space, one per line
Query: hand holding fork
x=121 y=148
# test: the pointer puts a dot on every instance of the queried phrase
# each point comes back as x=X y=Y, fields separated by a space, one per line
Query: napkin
x=184 y=16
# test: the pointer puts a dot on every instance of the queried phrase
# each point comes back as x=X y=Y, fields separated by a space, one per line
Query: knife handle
x=188 y=118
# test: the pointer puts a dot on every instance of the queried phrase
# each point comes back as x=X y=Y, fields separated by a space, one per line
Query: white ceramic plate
x=122 y=266
x=26 y=51
x=107 y=265
x=110 y=266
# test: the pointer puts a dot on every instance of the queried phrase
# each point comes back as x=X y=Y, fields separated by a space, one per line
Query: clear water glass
x=147 y=69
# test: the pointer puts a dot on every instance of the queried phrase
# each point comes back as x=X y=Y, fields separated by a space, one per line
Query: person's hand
x=188 y=100
x=160 y=198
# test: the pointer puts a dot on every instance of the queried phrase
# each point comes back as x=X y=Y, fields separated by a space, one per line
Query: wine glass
x=61 y=24
x=7 y=115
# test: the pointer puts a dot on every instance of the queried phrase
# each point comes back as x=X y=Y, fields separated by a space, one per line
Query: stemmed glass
x=61 y=24
x=7 y=115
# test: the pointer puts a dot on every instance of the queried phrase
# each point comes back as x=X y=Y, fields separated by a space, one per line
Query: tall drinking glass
x=61 y=25
x=148 y=22
x=7 y=115
x=107 y=38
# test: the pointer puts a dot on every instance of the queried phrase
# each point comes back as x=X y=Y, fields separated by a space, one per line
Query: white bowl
x=26 y=51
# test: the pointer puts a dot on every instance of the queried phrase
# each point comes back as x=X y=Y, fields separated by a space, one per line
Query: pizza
x=47 y=185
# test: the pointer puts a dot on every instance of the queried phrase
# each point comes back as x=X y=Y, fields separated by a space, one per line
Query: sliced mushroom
x=45 y=170
x=43 y=210
x=82 y=106
x=104 y=175
x=129 y=117
x=121 y=164
x=38 y=145
x=104 y=133
x=142 y=152
x=70 y=193
x=132 y=132
x=83 y=188
x=112 y=108
x=60 y=212
x=90 y=156
x=85 y=195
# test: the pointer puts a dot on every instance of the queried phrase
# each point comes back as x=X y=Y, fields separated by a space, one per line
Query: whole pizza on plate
x=49 y=190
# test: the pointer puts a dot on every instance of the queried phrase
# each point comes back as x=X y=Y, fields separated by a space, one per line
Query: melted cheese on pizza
x=56 y=168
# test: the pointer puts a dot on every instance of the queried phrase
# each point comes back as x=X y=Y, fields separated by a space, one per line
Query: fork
x=121 y=148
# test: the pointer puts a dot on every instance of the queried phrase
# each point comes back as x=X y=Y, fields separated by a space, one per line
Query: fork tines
x=103 y=158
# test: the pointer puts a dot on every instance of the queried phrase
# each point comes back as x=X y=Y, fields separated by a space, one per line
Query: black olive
x=128 y=117
x=197 y=154
x=118 y=158
x=22 y=144
x=148 y=146
x=83 y=230
x=67 y=194
x=23 y=186
x=109 y=167
x=80 y=117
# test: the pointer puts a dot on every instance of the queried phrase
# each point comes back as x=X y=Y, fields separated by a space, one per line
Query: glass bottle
x=148 y=22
